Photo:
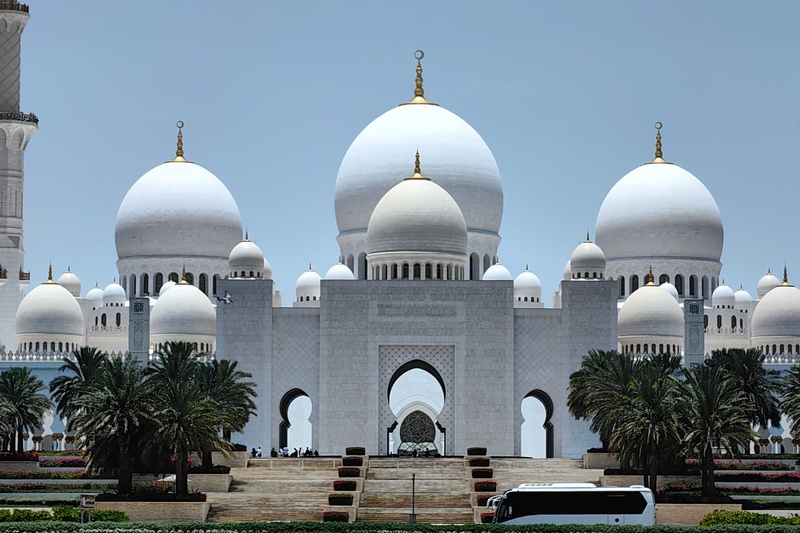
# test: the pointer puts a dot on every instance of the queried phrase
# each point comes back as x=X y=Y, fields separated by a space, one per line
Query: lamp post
x=412 y=518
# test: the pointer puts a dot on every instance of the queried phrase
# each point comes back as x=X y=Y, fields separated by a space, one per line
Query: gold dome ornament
x=179 y=150
x=659 y=158
x=419 y=92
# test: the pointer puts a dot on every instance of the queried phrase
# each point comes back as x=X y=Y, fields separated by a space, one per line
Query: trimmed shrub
x=478 y=461
x=25 y=515
x=340 y=499
x=355 y=450
x=349 y=471
x=341 y=484
x=352 y=461
x=335 y=516
x=64 y=462
x=487 y=517
x=38 y=474
x=482 y=472
x=63 y=513
x=19 y=456
x=720 y=517
x=476 y=450
x=485 y=486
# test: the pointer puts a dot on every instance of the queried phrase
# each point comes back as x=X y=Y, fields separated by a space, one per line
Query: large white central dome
x=178 y=209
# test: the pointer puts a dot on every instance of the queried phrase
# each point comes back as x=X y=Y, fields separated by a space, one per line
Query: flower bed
x=151 y=497
x=476 y=450
x=340 y=499
x=733 y=464
x=482 y=472
x=478 y=461
x=50 y=487
x=788 y=477
x=341 y=484
x=335 y=516
x=692 y=492
x=485 y=486
x=352 y=461
x=487 y=517
x=355 y=450
x=349 y=471
x=39 y=474
x=64 y=462
x=61 y=453
x=482 y=499
x=19 y=456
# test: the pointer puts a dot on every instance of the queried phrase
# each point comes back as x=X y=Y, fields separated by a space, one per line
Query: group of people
x=284 y=452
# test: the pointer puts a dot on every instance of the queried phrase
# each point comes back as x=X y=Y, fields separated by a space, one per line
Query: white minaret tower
x=16 y=130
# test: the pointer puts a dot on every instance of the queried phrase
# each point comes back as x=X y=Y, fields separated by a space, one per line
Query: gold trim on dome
x=419 y=92
x=417 y=171
x=179 y=150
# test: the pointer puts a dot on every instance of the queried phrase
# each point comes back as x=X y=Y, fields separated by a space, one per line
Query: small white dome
x=527 y=281
x=246 y=260
x=165 y=287
x=670 y=288
x=95 y=296
x=417 y=215
x=497 y=272
x=766 y=284
x=651 y=312
x=49 y=313
x=339 y=271
x=308 y=285
x=184 y=313
x=567 y=272
x=742 y=297
x=587 y=261
x=114 y=294
x=70 y=281
x=723 y=297
x=777 y=314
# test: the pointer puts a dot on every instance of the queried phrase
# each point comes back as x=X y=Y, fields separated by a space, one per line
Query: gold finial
x=183 y=275
x=785 y=276
x=246 y=235
x=179 y=151
x=526 y=267
x=649 y=279
x=309 y=267
x=723 y=281
x=587 y=236
x=50 y=274
x=659 y=155
x=419 y=92
x=417 y=171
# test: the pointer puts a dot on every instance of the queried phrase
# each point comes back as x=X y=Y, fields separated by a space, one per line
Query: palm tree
x=649 y=423
x=21 y=389
x=227 y=386
x=791 y=397
x=77 y=377
x=177 y=361
x=6 y=428
x=710 y=407
x=188 y=419
x=598 y=389
x=111 y=415
x=761 y=386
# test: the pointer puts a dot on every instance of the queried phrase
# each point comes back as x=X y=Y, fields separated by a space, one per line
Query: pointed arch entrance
x=536 y=433
x=295 y=430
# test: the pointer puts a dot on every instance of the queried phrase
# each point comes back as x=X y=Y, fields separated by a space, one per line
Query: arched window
x=622 y=286
x=133 y=285
x=61 y=347
x=774 y=349
x=789 y=348
x=660 y=348
x=439 y=271
x=719 y=321
x=645 y=348
x=362 y=266
x=190 y=278
x=781 y=352
x=394 y=271
x=662 y=279
x=578 y=275
x=53 y=346
x=103 y=320
x=679 y=284
x=37 y=346
x=428 y=271
x=214 y=284
x=741 y=324
x=204 y=283
x=705 y=287
x=692 y=286
x=159 y=283
x=405 y=270
x=474 y=267
x=638 y=348
x=733 y=322
x=145 y=284
x=119 y=319
x=705 y=321
x=95 y=321
x=417 y=271
x=449 y=271
x=634 y=283
x=173 y=276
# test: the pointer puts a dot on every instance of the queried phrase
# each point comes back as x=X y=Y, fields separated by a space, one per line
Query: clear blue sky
x=272 y=93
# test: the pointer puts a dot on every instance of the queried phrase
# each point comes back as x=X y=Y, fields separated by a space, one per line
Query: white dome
x=50 y=312
x=766 y=284
x=723 y=297
x=114 y=294
x=70 y=281
x=567 y=272
x=651 y=312
x=246 y=260
x=454 y=154
x=587 y=261
x=339 y=271
x=742 y=297
x=165 y=287
x=183 y=312
x=670 y=288
x=777 y=314
x=497 y=272
x=527 y=281
x=417 y=215
x=308 y=285
x=95 y=296
x=177 y=209
x=660 y=210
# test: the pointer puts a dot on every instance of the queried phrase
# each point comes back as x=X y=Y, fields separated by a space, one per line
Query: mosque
x=417 y=338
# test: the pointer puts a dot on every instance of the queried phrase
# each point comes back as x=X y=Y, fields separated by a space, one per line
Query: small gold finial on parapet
x=417 y=170
x=659 y=155
x=183 y=275
x=246 y=235
x=179 y=151
x=309 y=267
x=649 y=279
x=419 y=92
x=587 y=236
x=50 y=274
x=785 y=276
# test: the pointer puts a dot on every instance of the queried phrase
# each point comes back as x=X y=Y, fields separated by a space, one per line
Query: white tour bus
x=574 y=503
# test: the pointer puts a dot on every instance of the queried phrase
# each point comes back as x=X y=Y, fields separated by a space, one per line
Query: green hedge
x=40 y=474
x=719 y=517
x=61 y=513
x=355 y=450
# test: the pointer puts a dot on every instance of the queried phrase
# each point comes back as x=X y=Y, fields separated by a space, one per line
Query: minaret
x=16 y=129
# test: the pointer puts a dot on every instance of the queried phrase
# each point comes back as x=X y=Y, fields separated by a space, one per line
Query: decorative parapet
x=20 y=117
x=14 y=6
x=783 y=359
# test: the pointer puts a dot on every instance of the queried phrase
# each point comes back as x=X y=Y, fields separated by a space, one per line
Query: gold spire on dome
x=246 y=234
x=309 y=267
x=659 y=155
x=50 y=274
x=417 y=171
x=526 y=267
x=179 y=150
x=786 y=278
x=587 y=236
x=183 y=276
x=649 y=279
x=419 y=92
